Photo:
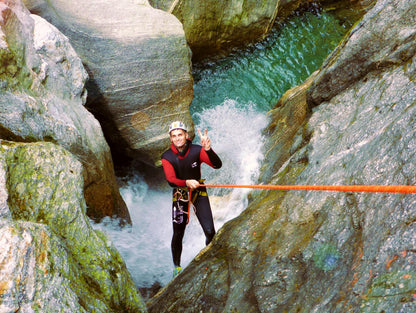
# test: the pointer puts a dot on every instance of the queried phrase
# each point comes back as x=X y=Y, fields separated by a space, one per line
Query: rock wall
x=389 y=46
x=52 y=260
x=42 y=97
x=215 y=28
x=315 y=251
x=139 y=69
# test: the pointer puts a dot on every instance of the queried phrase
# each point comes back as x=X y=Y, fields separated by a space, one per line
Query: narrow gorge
x=293 y=92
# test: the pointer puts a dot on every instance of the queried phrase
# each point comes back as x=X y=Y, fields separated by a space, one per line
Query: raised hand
x=205 y=141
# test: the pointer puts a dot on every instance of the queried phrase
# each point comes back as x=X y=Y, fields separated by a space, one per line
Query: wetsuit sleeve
x=171 y=175
x=211 y=158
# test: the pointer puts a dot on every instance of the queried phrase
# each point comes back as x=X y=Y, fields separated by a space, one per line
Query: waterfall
x=231 y=98
x=146 y=246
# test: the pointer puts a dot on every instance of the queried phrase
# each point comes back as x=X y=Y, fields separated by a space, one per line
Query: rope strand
x=343 y=188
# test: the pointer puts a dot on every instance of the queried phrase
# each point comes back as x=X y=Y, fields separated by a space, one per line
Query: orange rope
x=345 y=188
x=189 y=203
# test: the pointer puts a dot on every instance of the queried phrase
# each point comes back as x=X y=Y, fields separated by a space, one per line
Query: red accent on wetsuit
x=170 y=174
x=179 y=168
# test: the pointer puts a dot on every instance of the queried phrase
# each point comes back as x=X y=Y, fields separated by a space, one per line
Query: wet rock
x=42 y=98
x=318 y=251
x=372 y=45
x=288 y=117
x=214 y=28
x=52 y=259
x=139 y=67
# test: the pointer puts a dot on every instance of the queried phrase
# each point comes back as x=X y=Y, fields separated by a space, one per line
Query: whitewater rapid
x=231 y=100
x=235 y=130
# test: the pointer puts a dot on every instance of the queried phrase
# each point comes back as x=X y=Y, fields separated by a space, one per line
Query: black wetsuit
x=179 y=167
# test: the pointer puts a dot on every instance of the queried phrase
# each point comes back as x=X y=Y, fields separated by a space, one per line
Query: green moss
x=390 y=290
x=290 y=173
x=393 y=283
x=8 y=70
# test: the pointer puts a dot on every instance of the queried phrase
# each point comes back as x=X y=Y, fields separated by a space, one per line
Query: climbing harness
x=180 y=198
x=344 y=188
x=182 y=195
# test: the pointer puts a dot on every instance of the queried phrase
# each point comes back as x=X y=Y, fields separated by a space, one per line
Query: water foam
x=235 y=132
x=254 y=80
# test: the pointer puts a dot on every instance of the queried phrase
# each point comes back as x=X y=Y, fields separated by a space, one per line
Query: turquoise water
x=262 y=73
x=231 y=95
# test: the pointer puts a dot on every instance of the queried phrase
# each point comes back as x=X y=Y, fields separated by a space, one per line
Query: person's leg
x=176 y=245
x=179 y=219
x=204 y=215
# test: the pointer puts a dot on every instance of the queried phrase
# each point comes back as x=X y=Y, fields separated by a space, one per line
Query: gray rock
x=52 y=259
x=319 y=251
x=139 y=67
x=215 y=28
x=42 y=99
x=355 y=57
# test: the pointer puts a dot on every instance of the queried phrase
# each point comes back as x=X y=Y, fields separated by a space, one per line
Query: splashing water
x=145 y=246
x=235 y=131
x=230 y=100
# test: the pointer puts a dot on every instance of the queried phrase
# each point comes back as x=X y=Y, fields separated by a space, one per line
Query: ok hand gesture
x=205 y=141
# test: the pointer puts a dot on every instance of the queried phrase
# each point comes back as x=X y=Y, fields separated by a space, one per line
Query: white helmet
x=177 y=125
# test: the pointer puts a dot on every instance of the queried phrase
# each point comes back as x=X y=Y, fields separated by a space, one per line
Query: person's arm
x=207 y=155
x=171 y=175
x=211 y=158
x=173 y=180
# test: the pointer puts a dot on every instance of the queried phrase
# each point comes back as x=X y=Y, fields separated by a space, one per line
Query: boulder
x=139 y=68
x=354 y=58
x=215 y=28
x=52 y=259
x=319 y=251
x=42 y=99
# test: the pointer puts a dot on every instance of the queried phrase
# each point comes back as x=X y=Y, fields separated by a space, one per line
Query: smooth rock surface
x=139 y=67
x=214 y=27
x=355 y=57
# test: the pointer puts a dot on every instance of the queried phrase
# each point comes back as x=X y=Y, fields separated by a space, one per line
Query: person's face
x=178 y=138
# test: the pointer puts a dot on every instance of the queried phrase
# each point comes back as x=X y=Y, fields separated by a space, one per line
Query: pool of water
x=231 y=98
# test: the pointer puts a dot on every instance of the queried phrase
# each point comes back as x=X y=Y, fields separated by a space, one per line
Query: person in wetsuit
x=182 y=167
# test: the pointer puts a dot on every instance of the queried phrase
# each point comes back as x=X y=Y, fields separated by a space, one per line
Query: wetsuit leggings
x=204 y=215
